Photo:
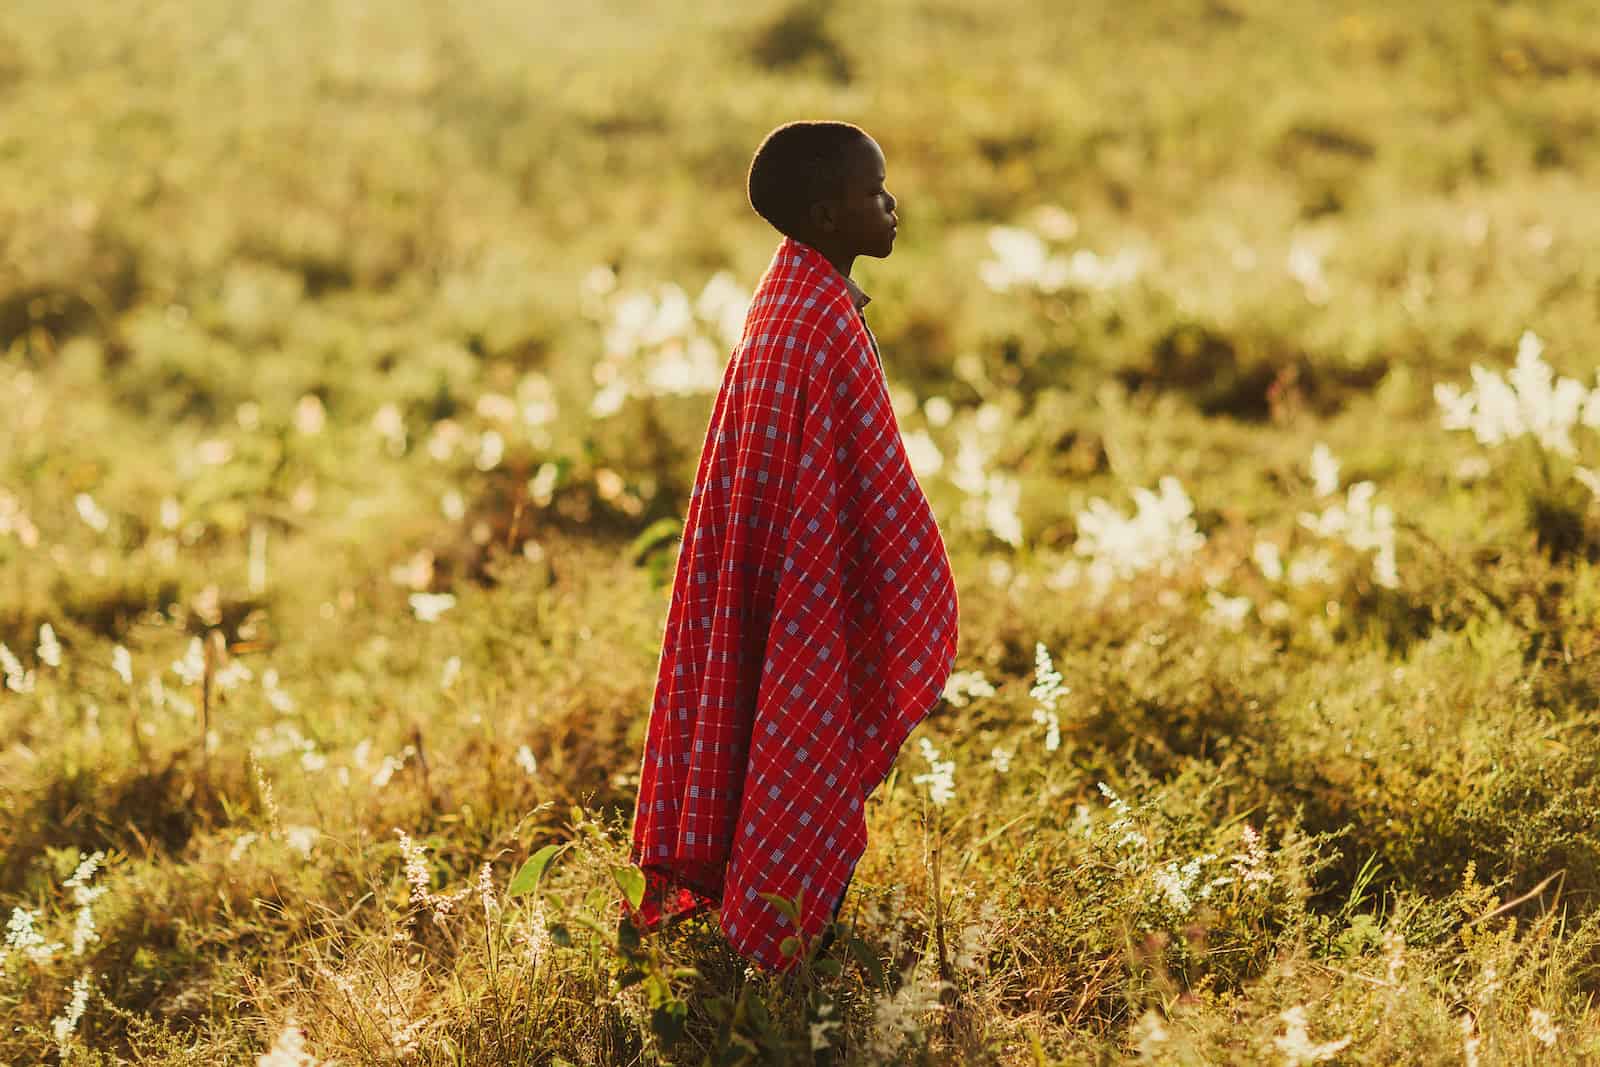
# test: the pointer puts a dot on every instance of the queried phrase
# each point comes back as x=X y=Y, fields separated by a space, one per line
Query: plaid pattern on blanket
x=812 y=624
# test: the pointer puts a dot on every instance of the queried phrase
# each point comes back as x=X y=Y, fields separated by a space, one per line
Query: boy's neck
x=842 y=262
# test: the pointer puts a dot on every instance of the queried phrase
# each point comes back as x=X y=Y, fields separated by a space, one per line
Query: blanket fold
x=812 y=625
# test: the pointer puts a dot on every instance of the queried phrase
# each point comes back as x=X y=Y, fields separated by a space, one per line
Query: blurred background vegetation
x=310 y=309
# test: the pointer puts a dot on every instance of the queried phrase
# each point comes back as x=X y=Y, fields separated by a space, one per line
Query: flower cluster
x=992 y=497
x=429 y=606
x=421 y=883
x=660 y=341
x=18 y=679
x=1361 y=525
x=1529 y=400
x=1022 y=260
x=1047 y=691
x=1159 y=535
x=896 y=1017
x=1295 y=1042
x=288 y=1050
x=963 y=686
x=23 y=937
x=84 y=895
x=940 y=776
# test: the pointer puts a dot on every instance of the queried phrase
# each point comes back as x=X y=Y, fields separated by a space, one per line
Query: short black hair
x=798 y=164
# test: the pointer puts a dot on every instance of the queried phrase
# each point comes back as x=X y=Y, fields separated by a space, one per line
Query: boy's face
x=861 y=220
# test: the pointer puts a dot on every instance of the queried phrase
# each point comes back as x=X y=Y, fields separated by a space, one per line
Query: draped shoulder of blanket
x=812 y=626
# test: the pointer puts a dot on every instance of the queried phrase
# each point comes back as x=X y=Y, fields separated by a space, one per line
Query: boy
x=813 y=615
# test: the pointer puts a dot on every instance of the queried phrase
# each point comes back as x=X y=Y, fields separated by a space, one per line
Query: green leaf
x=789 y=945
x=790 y=909
x=827 y=966
x=631 y=976
x=560 y=935
x=757 y=1009
x=527 y=879
x=631 y=879
x=667 y=1021
x=868 y=959
x=652 y=535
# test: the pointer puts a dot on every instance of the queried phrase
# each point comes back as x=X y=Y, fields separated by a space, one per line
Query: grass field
x=356 y=359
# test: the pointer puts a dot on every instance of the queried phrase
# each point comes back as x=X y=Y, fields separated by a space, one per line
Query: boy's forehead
x=865 y=156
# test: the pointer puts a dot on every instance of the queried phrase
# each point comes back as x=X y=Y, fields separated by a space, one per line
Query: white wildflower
x=391 y=427
x=1362 y=526
x=525 y=760
x=824 y=1024
x=309 y=415
x=491 y=449
x=1304 y=264
x=1295 y=1043
x=192 y=667
x=24 y=937
x=452 y=671
x=1589 y=478
x=1161 y=533
x=231 y=674
x=486 y=894
x=1324 y=471
x=1543 y=1029
x=17 y=679
x=1528 y=400
x=599 y=280
x=972 y=946
x=1176 y=883
x=897 y=1016
x=280 y=700
x=1250 y=864
x=1088 y=270
x=301 y=838
x=1047 y=690
x=1123 y=823
x=386 y=770
x=122 y=664
x=924 y=455
x=1001 y=758
x=1021 y=258
x=49 y=647
x=422 y=895
x=453 y=505
x=1394 y=955
x=1312 y=565
x=1470 y=1040
x=941 y=776
x=241 y=845
x=429 y=606
x=288 y=1050
x=723 y=304
x=65 y=1024
x=1268 y=557
x=1000 y=508
x=963 y=686
x=1228 y=612
x=90 y=513
x=1149 y=1033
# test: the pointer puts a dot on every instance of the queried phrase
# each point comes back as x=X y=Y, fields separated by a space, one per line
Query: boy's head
x=821 y=183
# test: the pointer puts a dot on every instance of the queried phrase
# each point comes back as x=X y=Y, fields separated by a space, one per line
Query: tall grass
x=355 y=364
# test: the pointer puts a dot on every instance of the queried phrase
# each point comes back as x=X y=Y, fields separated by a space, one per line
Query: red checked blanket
x=812 y=625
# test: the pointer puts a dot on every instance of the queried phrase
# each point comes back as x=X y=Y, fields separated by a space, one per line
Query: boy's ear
x=824 y=219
